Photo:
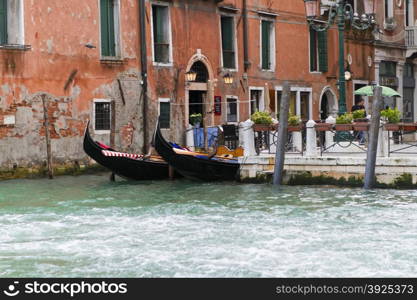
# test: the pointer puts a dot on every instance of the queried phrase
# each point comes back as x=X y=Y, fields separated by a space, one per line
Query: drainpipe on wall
x=144 y=71
x=245 y=37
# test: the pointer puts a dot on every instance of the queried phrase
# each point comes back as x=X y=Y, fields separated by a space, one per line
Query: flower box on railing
x=264 y=127
x=361 y=126
x=343 y=127
x=323 y=126
x=295 y=128
x=409 y=126
x=392 y=127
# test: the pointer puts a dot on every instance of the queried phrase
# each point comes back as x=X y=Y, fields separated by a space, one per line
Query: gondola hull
x=134 y=169
x=195 y=168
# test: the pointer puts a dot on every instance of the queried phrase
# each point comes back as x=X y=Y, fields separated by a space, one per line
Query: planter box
x=409 y=126
x=361 y=126
x=392 y=127
x=295 y=128
x=323 y=126
x=264 y=127
x=343 y=127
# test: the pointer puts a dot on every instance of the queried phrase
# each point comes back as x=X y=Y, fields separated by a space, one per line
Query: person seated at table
x=359 y=104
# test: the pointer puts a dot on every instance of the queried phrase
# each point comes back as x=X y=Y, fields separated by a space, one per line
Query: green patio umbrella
x=369 y=91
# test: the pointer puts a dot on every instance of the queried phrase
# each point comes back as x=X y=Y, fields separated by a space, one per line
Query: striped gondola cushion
x=120 y=154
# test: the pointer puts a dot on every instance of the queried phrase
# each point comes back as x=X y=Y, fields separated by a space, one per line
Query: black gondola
x=193 y=165
x=138 y=168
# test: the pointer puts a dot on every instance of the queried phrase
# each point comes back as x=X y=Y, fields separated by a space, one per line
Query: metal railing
x=344 y=142
x=268 y=140
x=411 y=36
x=401 y=142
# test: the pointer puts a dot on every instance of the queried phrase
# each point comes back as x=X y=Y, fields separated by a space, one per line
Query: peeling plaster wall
x=57 y=32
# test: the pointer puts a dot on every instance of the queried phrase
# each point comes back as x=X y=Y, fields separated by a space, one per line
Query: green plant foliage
x=195 y=118
x=358 y=114
x=392 y=115
x=346 y=118
x=294 y=120
x=261 y=117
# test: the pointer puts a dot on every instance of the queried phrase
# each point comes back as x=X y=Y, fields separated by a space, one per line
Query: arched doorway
x=328 y=104
x=197 y=90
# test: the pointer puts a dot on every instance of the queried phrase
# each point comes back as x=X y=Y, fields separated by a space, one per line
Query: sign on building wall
x=388 y=81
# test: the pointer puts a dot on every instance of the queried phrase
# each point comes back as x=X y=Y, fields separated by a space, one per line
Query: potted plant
x=195 y=119
x=262 y=120
x=359 y=115
x=393 y=118
x=344 y=122
x=294 y=123
x=360 y=120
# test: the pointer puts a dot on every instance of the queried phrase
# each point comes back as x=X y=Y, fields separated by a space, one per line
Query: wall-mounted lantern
x=190 y=76
x=228 y=78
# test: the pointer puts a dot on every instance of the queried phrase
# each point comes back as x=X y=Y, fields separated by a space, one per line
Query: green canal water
x=89 y=227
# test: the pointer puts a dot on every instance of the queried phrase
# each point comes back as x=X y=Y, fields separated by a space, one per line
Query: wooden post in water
x=113 y=130
x=171 y=173
x=47 y=136
x=373 y=139
x=205 y=123
x=282 y=134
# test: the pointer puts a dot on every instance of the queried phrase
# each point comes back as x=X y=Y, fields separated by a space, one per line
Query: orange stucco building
x=84 y=59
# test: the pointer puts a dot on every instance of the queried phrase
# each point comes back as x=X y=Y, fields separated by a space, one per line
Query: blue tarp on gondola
x=199 y=136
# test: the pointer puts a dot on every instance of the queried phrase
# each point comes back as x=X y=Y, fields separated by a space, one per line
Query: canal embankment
x=392 y=172
x=41 y=170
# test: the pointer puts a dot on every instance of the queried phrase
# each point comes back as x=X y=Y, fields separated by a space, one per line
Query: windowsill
x=15 y=47
x=229 y=70
x=268 y=70
x=160 y=64
x=112 y=60
x=102 y=132
x=316 y=72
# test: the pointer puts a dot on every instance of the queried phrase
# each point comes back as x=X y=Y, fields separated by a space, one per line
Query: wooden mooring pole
x=373 y=139
x=282 y=134
x=171 y=172
x=113 y=129
x=47 y=137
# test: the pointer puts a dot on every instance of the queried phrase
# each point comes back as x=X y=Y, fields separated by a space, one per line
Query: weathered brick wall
x=57 y=32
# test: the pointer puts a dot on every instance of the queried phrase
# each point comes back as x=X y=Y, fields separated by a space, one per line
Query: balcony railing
x=411 y=36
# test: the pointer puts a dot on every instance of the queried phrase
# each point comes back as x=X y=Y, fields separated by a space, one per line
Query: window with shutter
x=228 y=43
x=266 y=45
x=107 y=24
x=318 y=51
x=3 y=21
x=313 y=51
x=322 y=50
x=161 y=37
x=388 y=68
